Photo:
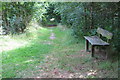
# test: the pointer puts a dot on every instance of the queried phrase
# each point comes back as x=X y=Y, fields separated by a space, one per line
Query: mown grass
x=65 y=53
x=21 y=58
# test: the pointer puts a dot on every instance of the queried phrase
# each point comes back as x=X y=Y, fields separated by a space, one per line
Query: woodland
x=46 y=39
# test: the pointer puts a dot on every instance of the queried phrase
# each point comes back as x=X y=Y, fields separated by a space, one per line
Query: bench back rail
x=104 y=33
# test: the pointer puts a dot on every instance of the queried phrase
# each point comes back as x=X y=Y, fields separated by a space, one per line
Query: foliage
x=82 y=18
x=85 y=18
x=39 y=10
x=0 y=6
x=17 y=15
x=50 y=17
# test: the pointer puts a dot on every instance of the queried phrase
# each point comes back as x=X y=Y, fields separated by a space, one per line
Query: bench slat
x=94 y=40
x=104 y=33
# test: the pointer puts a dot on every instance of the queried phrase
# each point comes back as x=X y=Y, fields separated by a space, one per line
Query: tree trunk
x=91 y=16
x=85 y=16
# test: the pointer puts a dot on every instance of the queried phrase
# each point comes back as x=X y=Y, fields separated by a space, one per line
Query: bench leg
x=87 y=46
x=93 y=50
x=107 y=51
x=106 y=55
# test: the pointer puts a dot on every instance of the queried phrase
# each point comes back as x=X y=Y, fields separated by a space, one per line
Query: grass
x=36 y=58
x=21 y=58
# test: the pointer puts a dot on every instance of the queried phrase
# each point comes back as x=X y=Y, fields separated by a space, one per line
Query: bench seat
x=95 y=40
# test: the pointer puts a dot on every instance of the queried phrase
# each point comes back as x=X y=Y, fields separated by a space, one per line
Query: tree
x=17 y=15
x=85 y=18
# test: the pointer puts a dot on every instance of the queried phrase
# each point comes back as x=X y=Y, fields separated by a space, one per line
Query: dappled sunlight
x=52 y=19
x=36 y=26
x=25 y=50
x=92 y=73
x=28 y=61
x=7 y=43
x=46 y=42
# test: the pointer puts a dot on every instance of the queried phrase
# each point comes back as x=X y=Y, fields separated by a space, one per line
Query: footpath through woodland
x=52 y=53
x=68 y=62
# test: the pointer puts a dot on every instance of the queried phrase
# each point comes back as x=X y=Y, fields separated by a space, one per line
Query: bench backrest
x=104 y=33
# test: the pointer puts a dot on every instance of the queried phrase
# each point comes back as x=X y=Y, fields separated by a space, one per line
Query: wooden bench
x=97 y=41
